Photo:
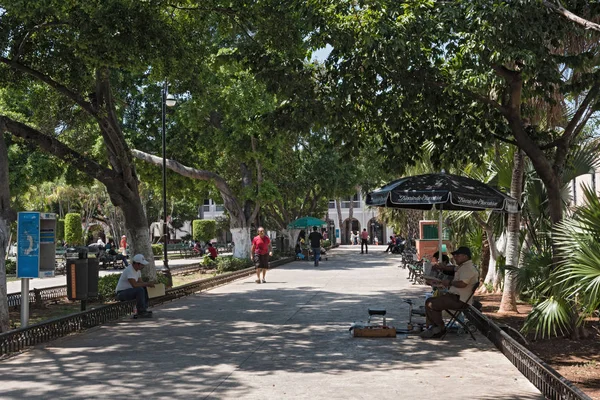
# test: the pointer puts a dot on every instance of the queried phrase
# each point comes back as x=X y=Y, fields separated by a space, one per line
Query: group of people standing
x=364 y=240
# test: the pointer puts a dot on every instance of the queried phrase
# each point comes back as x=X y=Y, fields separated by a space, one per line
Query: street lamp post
x=167 y=100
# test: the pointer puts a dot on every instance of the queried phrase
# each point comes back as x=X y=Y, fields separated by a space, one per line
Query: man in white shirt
x=460 y=290
x=132 y=287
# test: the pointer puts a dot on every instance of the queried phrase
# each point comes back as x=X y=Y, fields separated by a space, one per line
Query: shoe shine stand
x=368 y=329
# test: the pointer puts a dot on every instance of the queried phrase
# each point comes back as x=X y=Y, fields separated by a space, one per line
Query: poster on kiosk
x=28 y=245
x=36 y=244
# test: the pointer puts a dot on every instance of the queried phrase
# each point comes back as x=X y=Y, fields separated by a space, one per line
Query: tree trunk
x=485 y=265
x=6 y=217
x=138 y=234
x=509 y=294
x=489 y=277
x=4 y=316
x=240 y=216
x=292 y=236
x=338 y=208
x=242 y=242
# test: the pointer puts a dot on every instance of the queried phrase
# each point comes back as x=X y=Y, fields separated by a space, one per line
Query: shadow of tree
x=266 y=341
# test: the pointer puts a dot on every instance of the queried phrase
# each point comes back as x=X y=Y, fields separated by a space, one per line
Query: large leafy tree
x=461 y=74
x=79 y=57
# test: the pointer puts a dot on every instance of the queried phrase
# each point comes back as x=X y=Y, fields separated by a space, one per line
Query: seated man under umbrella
x=460 y=290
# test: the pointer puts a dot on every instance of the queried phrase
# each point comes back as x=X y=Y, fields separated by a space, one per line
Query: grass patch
x=51 y=311
x=179 y=280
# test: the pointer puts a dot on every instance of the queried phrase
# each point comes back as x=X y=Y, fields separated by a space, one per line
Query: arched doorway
x=376 y=229
x=350 y=225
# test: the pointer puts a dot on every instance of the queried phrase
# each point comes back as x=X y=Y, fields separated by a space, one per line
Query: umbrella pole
x=440 y=219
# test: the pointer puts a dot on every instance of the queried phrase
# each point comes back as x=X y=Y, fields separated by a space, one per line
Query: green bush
x=204 y=229
x=157 y=249
x=107 y=285
x=326 y=243
x=73 y=232
x=160 y=278
x=11 y=267
x=231 y=264
x=208 y=262
x=60 y=230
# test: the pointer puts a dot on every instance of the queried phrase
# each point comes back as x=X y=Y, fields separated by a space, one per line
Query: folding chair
x=456 y=316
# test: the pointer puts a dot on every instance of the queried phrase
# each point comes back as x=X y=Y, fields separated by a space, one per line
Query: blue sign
x=337 y=233
x=28 y=245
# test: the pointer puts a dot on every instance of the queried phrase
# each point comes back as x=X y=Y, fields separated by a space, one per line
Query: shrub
x=208 y=262
x=11 y=267
x=326 y=243
x=107 y=285
x=60 y=230
x=160 y=278
x=204 y=229
x=157 y=249
x=73 y=232
x=231 y=264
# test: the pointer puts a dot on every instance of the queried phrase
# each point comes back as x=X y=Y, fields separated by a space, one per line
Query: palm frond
x=550 y=317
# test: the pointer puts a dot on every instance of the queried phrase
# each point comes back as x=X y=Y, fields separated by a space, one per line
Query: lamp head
x=170 y=101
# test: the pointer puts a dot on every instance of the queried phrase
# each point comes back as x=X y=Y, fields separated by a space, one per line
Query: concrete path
x=286 y=339
x=40 y=283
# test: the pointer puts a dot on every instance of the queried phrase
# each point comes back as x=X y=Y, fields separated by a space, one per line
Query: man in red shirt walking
x=364 y=241
x=260 y=252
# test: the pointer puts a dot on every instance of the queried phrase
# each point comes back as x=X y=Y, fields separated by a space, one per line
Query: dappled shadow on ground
x=229 y=344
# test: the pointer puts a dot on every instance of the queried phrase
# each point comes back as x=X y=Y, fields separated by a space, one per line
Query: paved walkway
x=286 y=339
x=40 y=283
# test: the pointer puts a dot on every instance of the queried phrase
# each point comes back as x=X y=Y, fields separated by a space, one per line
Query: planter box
x=375 y=331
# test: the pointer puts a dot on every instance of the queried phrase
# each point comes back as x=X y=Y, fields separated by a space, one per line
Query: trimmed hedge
x=60 y=230
x=204 y=229
x=231 y=264
x=73 y=231
x=11 y=267
x=108 y=284
x=157 y=249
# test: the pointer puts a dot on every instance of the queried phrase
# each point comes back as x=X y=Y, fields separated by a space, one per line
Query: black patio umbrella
x=444 y=192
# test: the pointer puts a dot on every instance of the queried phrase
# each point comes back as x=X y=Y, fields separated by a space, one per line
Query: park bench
x=224 y=247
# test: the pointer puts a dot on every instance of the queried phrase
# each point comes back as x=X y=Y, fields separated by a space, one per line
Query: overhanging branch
x=52 y=146
x=559 y=9
x=50 y=82
x=502 y=139
x=229 y=198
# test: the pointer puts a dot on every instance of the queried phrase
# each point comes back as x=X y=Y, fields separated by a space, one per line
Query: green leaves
x=574 y=285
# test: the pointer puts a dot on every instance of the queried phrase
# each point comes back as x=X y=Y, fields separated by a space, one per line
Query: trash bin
x=92 y=275
x=77 y=273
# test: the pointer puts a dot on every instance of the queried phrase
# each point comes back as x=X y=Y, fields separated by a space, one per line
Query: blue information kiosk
x=36 y=248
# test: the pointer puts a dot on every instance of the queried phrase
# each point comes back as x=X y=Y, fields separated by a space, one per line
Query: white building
x=362 y=217
x=577 y=185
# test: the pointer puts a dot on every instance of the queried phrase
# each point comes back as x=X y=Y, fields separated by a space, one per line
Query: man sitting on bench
x=460 y=290
x=132 y=287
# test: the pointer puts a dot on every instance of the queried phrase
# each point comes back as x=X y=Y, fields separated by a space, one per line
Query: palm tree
x=573 y=288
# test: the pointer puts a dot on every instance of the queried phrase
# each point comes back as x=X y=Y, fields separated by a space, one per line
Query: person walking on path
x=315 y=243
x=364 y=241
x=260 y=252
